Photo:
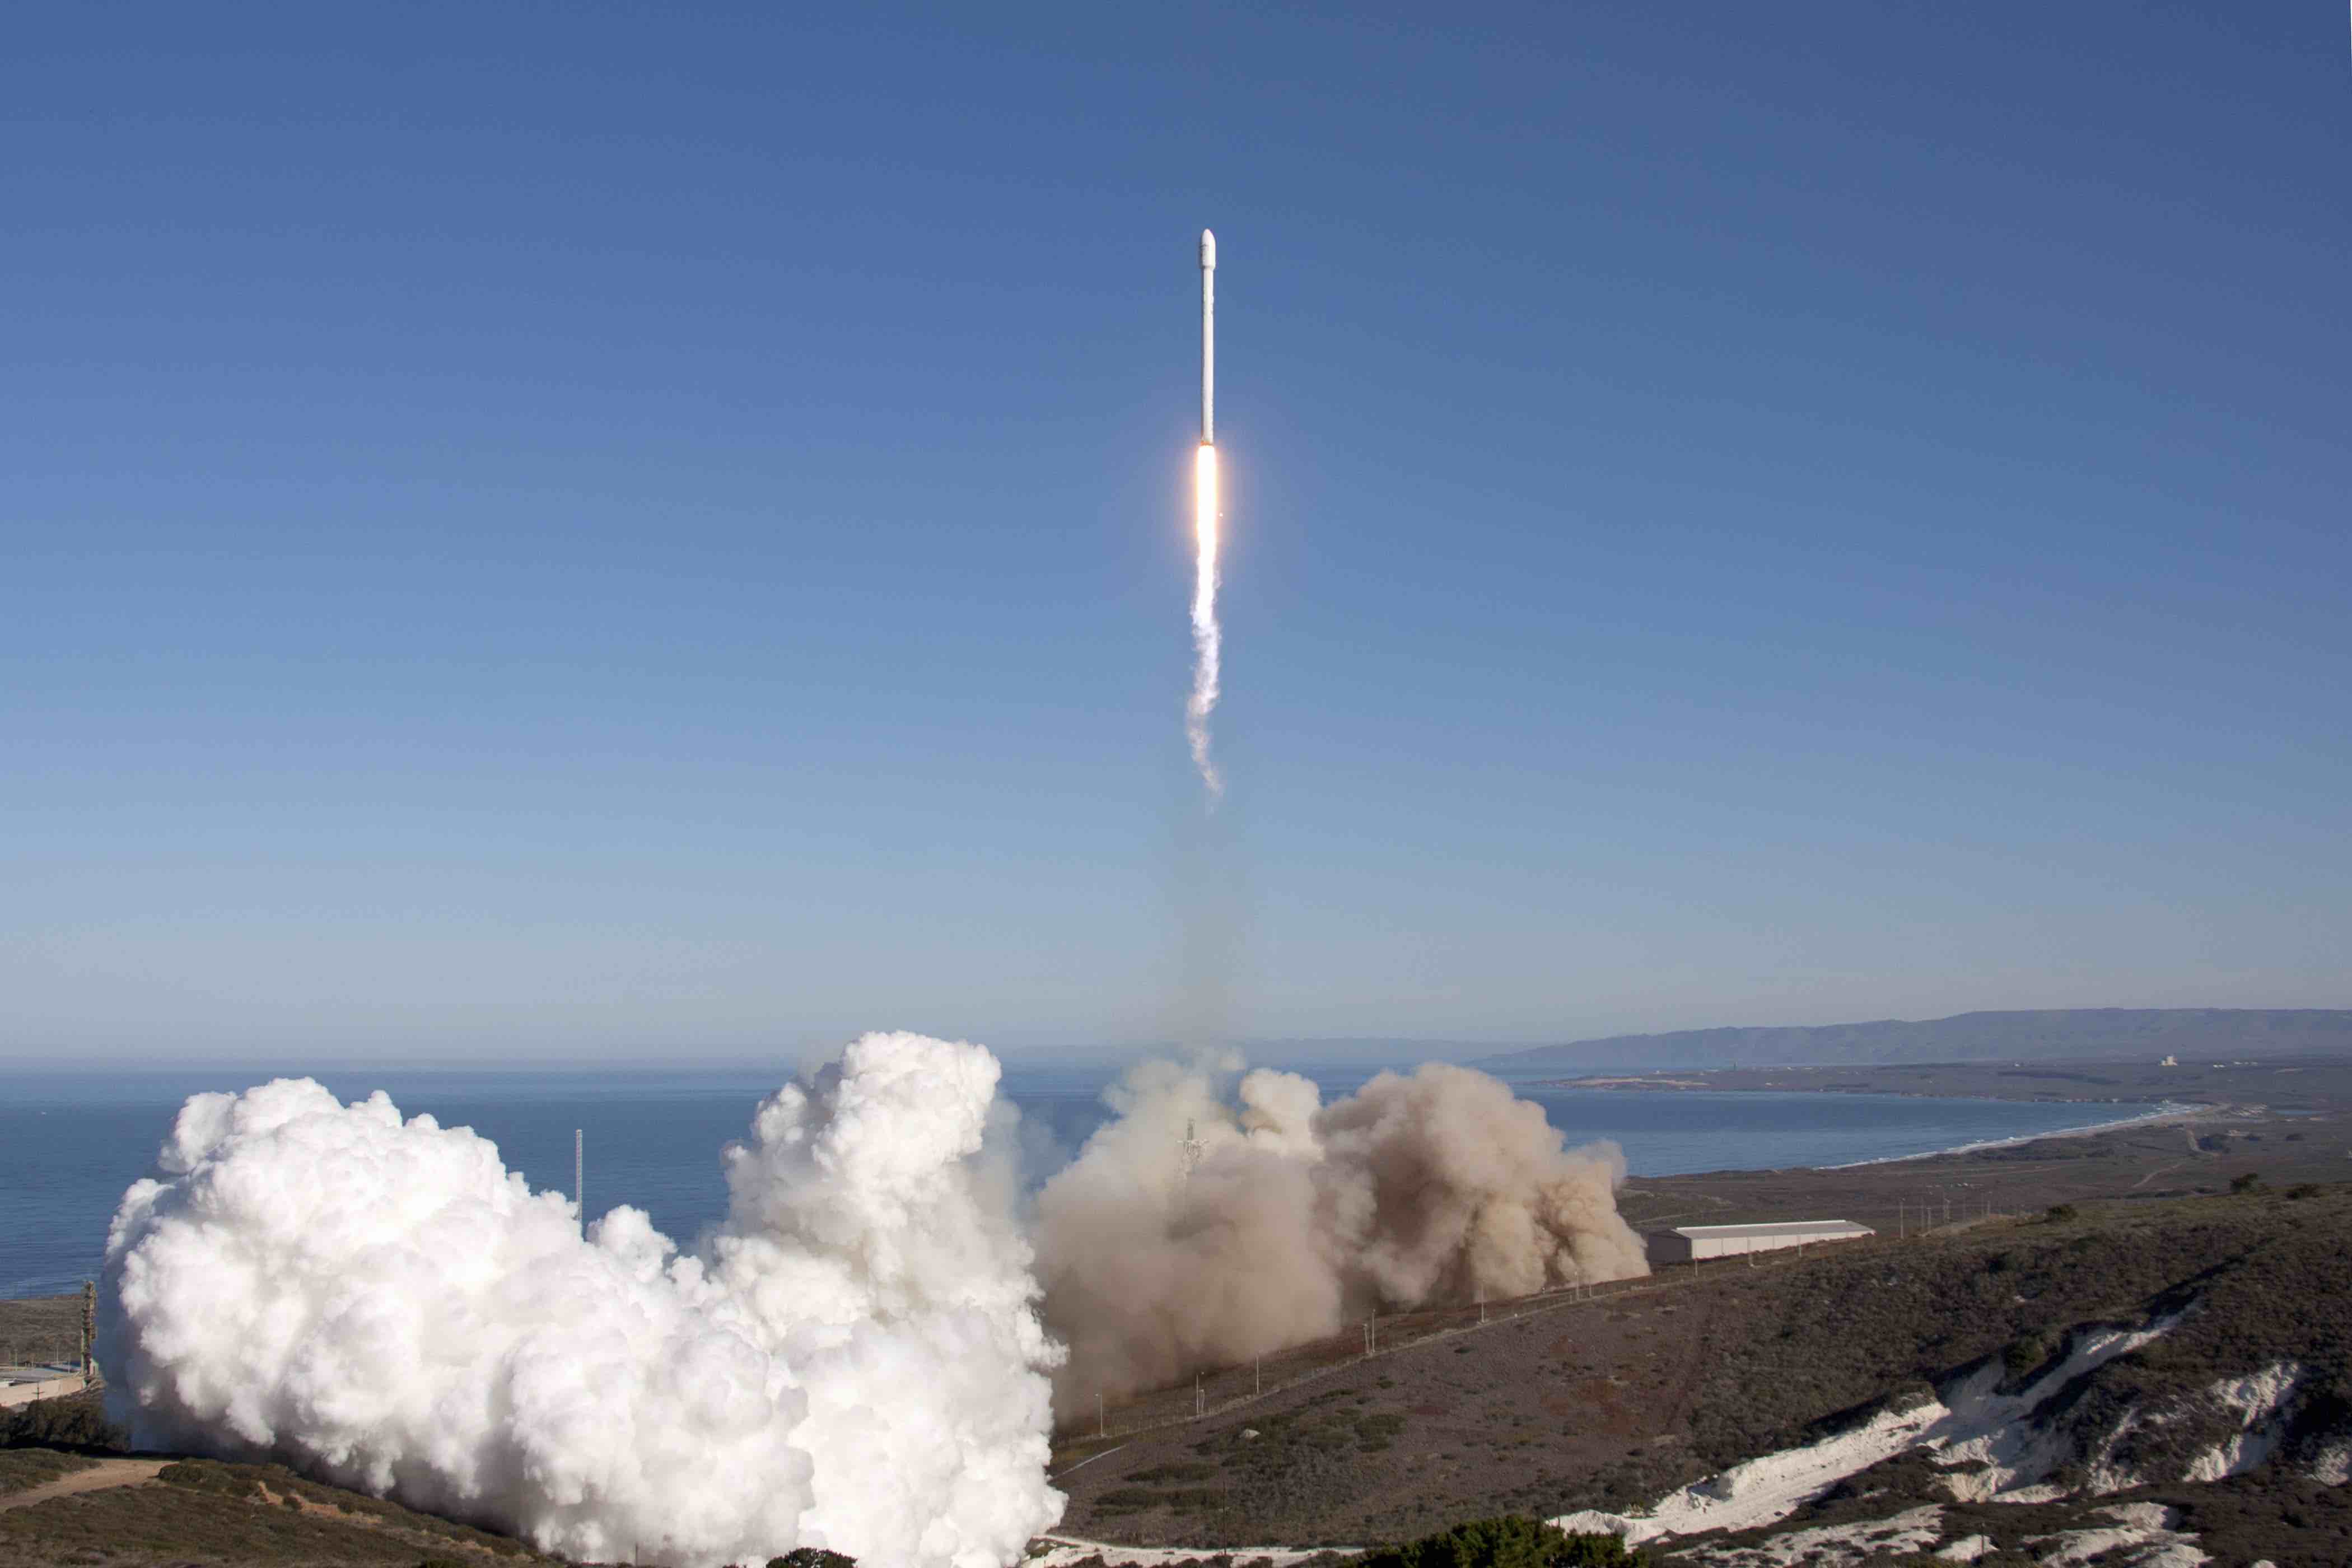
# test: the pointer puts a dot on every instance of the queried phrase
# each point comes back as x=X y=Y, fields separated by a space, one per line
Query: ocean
x=70 y=1143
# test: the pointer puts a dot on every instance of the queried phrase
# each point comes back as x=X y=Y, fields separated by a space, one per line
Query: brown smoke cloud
x=1300 y=1218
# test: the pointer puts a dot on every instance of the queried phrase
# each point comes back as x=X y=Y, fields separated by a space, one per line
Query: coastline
x=2314 y=1083
x=2215 y=1125
x=2171 y=1111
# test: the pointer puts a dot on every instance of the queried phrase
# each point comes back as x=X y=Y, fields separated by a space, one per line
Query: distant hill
x=2070 y=1034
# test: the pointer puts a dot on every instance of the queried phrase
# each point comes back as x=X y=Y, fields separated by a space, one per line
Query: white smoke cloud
x=853 y=1360
x=1301 y=1218
x=855 y=1357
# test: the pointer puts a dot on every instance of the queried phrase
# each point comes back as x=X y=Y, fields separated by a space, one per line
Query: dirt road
x=98 y=1477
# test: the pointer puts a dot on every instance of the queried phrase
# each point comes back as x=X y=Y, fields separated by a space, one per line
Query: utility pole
x=1369 y=1342
x=89 y=1326
x=1200 y=1398
x=1258 y=1375
x=1102 y=1421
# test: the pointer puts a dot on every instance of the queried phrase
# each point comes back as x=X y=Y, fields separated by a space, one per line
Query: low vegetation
x=22 y=1469
x=1832 y=1339
x=1681 y=1382
x=77 y=1423
x=1612 y=1405
x=200 y=1511
x=1510 y=1540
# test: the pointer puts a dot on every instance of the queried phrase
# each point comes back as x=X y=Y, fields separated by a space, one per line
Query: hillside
x=2160 y=1363
x=138 y=1512
x=2138 y=1377
x=2183 y=1358
x=2076 y=1033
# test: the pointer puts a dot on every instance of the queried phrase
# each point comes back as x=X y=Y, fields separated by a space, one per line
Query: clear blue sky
x=602 y=531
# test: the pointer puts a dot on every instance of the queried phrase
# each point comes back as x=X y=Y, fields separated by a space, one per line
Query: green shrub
x=812 y=1557
x=76 y=1421
x=2246 y=1182
x=1512 y=1540
x=204 y=1475
x=1180 y=1472
x=2022 y=1354
x=2304 y=1190
x=2058 y=1214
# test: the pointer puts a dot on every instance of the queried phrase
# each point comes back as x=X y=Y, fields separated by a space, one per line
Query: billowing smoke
x=1207 y=639
x=1289 y=1219
x=852 y=1359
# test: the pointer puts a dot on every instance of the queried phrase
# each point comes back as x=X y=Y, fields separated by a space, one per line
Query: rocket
x=1208 y=338
x=1206 y=637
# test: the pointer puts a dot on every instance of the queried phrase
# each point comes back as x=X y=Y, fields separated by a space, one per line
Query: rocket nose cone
x=1208 y=248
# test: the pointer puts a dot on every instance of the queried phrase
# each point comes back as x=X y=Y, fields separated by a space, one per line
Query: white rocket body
x=1208 y=338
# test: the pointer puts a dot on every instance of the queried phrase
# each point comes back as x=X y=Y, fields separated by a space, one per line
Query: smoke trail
x=852 y=1359
x=1301 y=1218
x=1206 y=637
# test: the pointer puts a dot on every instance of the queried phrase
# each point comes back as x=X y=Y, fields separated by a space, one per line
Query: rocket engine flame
x=1207 y=638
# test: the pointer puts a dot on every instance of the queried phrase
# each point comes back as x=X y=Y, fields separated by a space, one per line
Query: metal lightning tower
x=1193 y=1150
x=578 y=1190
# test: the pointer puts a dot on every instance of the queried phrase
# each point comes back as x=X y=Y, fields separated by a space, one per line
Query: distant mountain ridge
x=2064 y=1034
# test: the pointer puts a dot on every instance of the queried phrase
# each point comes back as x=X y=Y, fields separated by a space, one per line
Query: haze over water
x=69 y=1144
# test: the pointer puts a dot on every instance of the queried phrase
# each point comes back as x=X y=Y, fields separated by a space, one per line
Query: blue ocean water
x=69 y=1144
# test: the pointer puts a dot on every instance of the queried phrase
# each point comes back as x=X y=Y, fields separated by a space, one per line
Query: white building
x=1691 y=1243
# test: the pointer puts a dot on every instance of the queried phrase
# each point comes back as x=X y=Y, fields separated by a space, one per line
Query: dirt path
x=98 y=1477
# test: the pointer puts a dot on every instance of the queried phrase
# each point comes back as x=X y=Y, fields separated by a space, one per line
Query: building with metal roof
x=1691 y=1243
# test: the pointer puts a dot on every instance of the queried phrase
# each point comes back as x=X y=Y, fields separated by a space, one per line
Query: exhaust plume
x=1207 y=638
x=852 y=1359
x=1300 y=1218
